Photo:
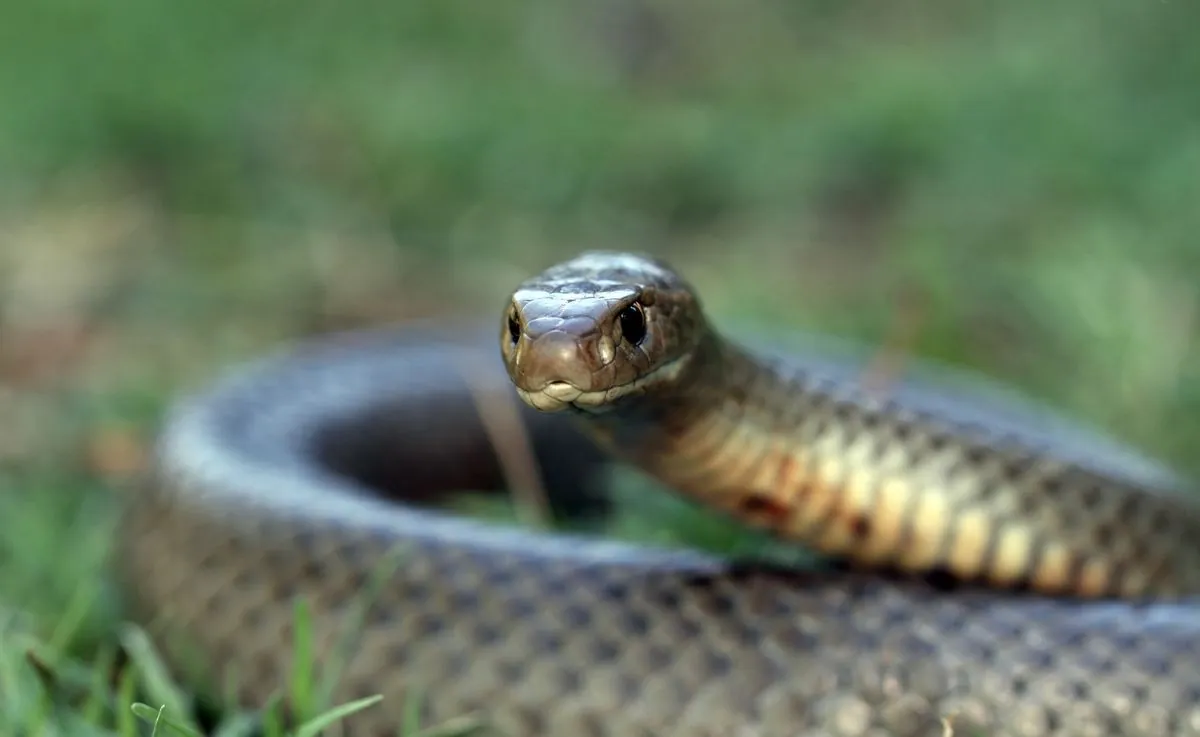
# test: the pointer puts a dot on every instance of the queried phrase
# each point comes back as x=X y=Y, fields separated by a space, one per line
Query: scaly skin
x=272 y=484
x=846 y=473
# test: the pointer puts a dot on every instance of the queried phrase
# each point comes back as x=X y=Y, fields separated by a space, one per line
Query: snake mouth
x=563 y=396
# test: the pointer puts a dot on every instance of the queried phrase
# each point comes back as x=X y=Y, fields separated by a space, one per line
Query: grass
x=1008 y=188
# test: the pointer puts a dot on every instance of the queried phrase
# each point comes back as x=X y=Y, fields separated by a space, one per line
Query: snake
x=993 y=568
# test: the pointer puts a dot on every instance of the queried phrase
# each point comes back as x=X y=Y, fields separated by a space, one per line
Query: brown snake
x=276 y=484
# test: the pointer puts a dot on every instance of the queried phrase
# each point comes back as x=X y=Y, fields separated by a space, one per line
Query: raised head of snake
x=596 y=332
x=621 y=340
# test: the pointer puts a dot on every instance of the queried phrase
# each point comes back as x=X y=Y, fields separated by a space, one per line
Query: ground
x=1009 y=188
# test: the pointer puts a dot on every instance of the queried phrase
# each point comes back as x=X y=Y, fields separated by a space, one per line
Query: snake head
x=592 y=332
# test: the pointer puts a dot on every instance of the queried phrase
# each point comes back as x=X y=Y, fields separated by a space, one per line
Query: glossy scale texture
x=296 y=476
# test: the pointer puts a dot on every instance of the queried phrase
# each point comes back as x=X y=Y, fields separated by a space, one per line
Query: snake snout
x=559 y=365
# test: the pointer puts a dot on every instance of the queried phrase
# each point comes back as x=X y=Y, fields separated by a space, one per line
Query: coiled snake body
x=275 y=484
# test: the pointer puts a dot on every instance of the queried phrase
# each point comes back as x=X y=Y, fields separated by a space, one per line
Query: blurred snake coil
x=1001 y=570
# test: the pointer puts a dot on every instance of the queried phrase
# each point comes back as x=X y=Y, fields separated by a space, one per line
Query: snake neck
x=850 y=476
x=719 y=430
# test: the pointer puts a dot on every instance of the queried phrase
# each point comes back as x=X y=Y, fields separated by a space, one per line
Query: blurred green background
x=1013 y=187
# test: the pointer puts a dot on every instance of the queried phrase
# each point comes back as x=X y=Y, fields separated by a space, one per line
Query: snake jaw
x=559 y=396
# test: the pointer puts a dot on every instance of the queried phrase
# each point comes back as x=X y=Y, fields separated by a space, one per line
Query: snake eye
x=633 y=323
x=514 y=326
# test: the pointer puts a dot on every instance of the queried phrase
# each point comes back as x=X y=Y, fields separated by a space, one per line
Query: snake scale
x=1000 y=575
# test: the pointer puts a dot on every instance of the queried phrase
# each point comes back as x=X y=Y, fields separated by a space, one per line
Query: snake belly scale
x=1073 y=612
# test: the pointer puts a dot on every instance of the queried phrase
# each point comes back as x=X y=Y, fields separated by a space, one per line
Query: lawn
x=1008 y=188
